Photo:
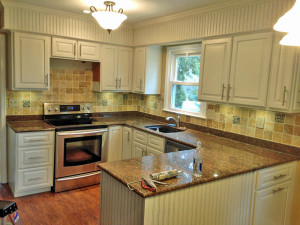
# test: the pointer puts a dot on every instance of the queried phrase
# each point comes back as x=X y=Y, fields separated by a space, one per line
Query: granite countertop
x=219 y=161
x=222 y=158
x=30 y=126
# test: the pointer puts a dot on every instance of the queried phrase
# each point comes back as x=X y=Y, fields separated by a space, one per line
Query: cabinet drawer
x=29 y=139
x=140 y=137
x=156 y=142
x=152 y=151
x=35 y=156
x=275 y=175
x=40 y=177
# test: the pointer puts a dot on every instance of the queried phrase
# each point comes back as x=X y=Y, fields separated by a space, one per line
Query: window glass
x=184 y=97
x=188 y=68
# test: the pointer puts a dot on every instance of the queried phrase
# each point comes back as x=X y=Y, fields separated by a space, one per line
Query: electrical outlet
x=13 y=102
x=260 y=122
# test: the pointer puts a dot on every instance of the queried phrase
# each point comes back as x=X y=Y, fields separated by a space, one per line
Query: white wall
x=3 y=165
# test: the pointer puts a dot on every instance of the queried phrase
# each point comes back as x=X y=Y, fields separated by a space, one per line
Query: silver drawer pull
x=279 y=176
x=37 y=157
x=38 y=178
x=278 y=190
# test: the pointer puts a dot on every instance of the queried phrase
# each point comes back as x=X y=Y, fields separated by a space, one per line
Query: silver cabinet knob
x=49 y=109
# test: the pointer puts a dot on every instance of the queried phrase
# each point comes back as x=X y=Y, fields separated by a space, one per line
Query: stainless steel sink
x=164 y=129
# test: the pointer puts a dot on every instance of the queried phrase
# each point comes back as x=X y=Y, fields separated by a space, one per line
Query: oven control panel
x=67 y=108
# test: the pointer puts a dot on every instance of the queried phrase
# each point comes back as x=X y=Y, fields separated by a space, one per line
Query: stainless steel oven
x=77 y=154
x=80 y=144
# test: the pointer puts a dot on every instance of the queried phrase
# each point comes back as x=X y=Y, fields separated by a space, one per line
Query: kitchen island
x=233 y=174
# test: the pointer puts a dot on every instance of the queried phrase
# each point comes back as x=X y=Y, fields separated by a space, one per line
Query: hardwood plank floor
x=76 y=207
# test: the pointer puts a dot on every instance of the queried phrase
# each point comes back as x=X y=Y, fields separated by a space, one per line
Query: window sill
x=197 y=115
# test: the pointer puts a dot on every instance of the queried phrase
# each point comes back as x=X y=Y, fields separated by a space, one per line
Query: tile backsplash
x=69 y=85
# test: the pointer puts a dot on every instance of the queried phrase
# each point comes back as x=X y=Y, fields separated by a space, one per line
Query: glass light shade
x=291 y=39
x=109 y=20
x=290 y=20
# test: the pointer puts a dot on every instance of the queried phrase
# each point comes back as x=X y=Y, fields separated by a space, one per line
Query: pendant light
x=289 y=23
x=108 y=19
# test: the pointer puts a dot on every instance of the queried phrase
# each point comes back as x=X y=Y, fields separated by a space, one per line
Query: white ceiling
x=136 y=10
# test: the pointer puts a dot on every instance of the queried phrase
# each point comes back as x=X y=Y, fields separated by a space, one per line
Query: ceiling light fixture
x=108 y=19
x=289 y=23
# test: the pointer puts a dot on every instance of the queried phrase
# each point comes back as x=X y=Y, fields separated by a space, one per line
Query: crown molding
x=198 y=11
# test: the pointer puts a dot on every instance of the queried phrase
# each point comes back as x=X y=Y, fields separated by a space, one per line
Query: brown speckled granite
x=219 y=161
x=30 y=126
x=24 y=118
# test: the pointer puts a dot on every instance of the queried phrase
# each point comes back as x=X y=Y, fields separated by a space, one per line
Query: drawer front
x=275 y=175
x=152 y=151
x=29 y=139
x=156 y=142
x=40 y=177
x=140 y=137
x=35 y=157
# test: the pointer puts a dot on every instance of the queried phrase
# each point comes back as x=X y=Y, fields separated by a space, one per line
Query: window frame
x=170 y=78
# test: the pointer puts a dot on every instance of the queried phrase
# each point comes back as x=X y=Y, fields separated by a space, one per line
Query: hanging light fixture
x=289 y=23
x=108 y=19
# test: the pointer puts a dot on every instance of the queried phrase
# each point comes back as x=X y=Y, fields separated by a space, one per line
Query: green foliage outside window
x=187 y=69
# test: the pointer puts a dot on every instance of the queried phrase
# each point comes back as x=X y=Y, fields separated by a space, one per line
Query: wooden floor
x=76 y=207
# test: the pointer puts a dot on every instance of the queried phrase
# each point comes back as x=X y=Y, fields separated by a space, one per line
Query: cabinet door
x=138 y=150
x=31 y=61
x=125 y=68
x=109 y=68
x=281 y=75
x=127 y=143
x=115 y=143
x=215 y=68
x=64 y=48
x=250 y=67
x=152 y=151
x=139 y=68
x=88 y=51
x=272 y=205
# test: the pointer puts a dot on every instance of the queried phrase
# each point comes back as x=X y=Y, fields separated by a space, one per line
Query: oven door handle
x=81 y=133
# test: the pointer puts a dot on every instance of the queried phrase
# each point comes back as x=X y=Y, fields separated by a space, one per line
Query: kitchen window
x=182 y=80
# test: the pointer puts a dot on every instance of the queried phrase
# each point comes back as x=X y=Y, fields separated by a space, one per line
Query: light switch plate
x=13 y=102
x=260 y=122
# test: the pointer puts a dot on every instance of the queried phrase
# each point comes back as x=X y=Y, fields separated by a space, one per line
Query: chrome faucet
x=177 y=122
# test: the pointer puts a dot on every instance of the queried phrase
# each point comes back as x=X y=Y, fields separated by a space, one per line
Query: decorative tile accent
x=104 y=102
x=236 y=120
x=279 y=117
x=26 y=103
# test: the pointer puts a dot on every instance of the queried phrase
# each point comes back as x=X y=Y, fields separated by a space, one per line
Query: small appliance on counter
x=80 y=144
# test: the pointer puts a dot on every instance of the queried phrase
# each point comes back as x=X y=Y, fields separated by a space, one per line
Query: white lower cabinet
x=273 y=195
x=138 y=149
x=114 y=151
x=273 y=204
x=127 y=143
x=30 y=162
x=146 y=144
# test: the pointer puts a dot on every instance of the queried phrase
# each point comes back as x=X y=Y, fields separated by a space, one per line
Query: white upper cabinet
x=30 y=62
x=282 y=86
x=250 y=66
x=109 y=68
x=65 y=48
x=139 y=64
x=125 y=64
x=72 y=49
x=88 y=51
x=147 y=69
x=116 y=69
x=215 y=68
